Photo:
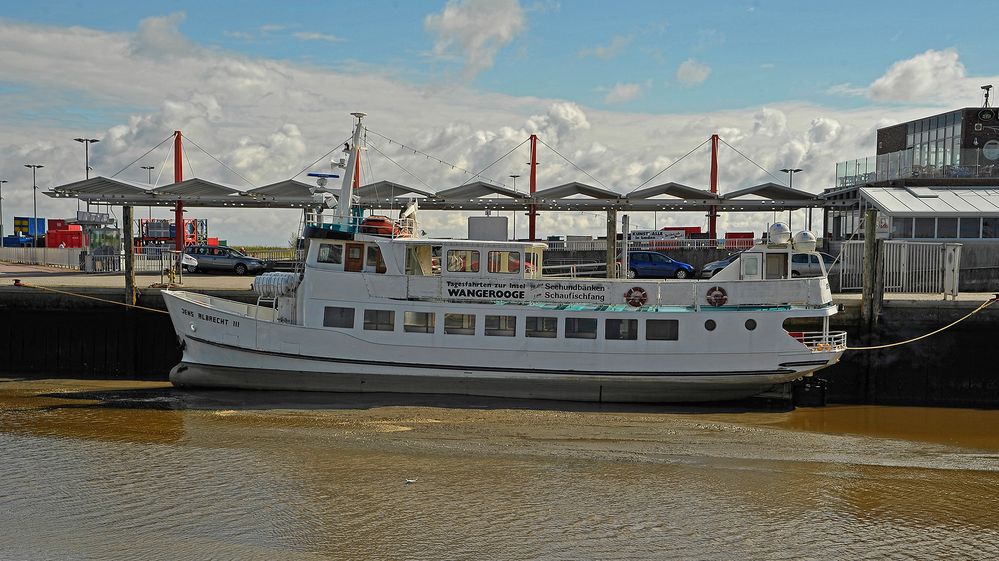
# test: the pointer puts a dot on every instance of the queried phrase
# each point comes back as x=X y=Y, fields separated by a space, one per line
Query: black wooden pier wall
x=43 y=334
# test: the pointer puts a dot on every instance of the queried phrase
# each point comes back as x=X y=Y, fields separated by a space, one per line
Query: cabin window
x=800 y=258
x=662 y=329
x=379 y=320
x=581 y=328
x=375 y=260
x=532 y=264
x=418 y=322
x=330 y=253
x=541 y=327
x=422 y=261
x=750 y=324
x=710 y=325
x=338 y=317
x=462 y=261
x=459 y=324
x=776 y=266
x=504 y=261
x=621 y=329
x=501 y=326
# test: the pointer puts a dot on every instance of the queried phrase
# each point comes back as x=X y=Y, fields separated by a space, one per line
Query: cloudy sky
x=623 y=90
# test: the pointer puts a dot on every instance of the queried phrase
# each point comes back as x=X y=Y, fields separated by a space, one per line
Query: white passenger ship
x=382 y=312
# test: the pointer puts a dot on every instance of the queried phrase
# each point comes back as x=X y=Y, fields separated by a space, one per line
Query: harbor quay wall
x=45 y=334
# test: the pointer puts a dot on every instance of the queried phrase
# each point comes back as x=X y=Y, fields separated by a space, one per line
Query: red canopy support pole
x=713 y=212
x=178 y=176
x=534 y=187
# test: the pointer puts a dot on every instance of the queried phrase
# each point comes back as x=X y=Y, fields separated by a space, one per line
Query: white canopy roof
x=934 y=201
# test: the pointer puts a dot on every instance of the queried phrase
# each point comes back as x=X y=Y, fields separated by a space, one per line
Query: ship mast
x=344 y=215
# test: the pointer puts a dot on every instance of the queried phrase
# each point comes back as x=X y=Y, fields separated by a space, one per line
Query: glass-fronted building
x=936 y=177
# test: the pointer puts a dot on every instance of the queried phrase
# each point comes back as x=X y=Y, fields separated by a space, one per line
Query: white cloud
x=932 y=77
x=623 y=92
x=611 y=50
x=928 y=76
x=315 y=36
x=268 y=119
x=158 y=37
x=692 y=73
x=847 y=89
x=478 y=29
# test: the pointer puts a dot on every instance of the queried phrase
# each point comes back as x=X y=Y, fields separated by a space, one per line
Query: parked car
x=711 y=269
x=211 y=258
x=807 y=264
x=652 y=264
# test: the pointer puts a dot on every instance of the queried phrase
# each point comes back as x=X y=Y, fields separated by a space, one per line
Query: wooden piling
x=129 y=255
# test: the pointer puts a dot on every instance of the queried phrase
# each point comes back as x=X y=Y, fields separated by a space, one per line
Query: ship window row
x=543 y=327
x=467 y=261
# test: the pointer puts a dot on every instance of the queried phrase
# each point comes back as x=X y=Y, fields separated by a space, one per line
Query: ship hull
x=224 y=347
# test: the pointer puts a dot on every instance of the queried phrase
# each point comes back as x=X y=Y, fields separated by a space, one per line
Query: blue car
x=651 y=264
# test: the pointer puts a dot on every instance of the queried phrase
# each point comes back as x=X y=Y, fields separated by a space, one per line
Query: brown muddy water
x=129 y=470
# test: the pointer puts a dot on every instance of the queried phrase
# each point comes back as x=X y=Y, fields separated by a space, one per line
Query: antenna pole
x=344 y=207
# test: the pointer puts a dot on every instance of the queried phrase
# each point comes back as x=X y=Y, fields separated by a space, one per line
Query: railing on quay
x=64 y=257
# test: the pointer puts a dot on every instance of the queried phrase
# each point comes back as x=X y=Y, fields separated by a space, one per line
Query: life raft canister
x=716 y=296
x=636 y=296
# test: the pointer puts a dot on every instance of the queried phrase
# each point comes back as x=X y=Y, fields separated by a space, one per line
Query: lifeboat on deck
x=382 y=226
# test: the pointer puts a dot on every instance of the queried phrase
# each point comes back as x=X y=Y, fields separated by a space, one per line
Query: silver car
x=807 y=264
x=224 y=259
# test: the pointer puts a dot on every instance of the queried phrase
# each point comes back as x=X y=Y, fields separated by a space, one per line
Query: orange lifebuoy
x=636 y=296
x=716 y=296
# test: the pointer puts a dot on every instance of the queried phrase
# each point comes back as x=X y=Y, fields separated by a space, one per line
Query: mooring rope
x=984 y=305
x=19 y=283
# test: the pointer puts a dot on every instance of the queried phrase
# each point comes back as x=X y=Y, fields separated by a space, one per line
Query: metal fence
x=909 y=267
x=80 y=260
x=68 y=258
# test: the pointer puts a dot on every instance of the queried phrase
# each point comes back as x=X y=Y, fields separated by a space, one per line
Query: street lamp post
x=34 y=203
x=149 y=180
x=2 y=181
x=790 y=184
x=514 y=178
x=86 y=163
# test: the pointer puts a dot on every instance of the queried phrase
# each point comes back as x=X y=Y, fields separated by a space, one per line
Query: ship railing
x=575 y=270
x=817 y=341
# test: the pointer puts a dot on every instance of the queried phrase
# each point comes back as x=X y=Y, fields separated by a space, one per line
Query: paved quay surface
x=65 y=278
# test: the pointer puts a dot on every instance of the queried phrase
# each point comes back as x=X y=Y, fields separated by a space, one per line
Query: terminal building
x=932 y=178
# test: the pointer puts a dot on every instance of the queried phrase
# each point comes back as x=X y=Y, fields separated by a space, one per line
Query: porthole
x=750 y=324
x=710 y=325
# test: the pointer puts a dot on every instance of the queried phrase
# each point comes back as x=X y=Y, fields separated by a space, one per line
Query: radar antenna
x=986 y=88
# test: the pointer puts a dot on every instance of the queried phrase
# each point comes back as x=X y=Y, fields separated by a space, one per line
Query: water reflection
x=130 y=472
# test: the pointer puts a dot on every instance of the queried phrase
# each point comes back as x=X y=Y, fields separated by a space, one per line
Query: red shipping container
x=56 y=224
